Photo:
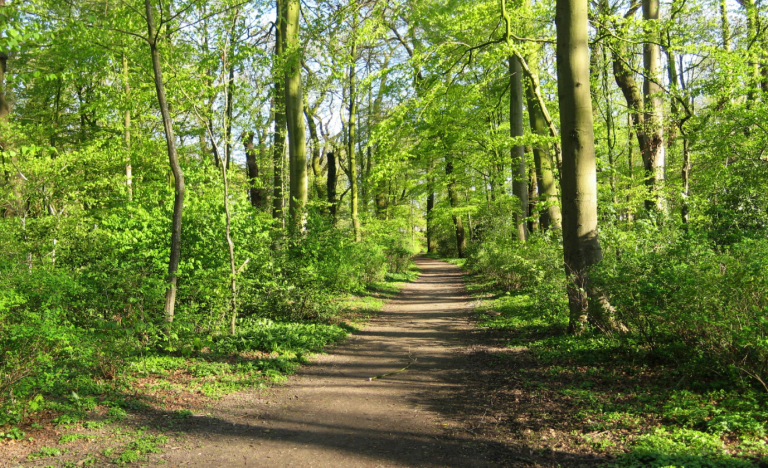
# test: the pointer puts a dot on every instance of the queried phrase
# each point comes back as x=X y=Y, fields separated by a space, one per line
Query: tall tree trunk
x=533 y=78
x=725 y=26
x=278 y=105
x=675 y=86
x=431 y=245
x=5 y=107
x=331 y=185
x=645 y=109
x=581 y=246
x=520 y=175
x=127 y=129
x=317 y=168
x=533 y=197
x=453 y=197
x=379 y=195
x=542 y=158
x=754 y=43
x=229 y=111
x=252 y=166
x=294 y=113
x=230 y=92
x=609 y=127
x=230 y=250
x=173 y=158
x=351 y=131
x=654 y=153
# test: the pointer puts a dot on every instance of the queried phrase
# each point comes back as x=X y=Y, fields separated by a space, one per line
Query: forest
x=199 y=195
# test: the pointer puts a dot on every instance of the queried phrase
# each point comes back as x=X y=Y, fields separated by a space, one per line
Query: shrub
x=690 y=300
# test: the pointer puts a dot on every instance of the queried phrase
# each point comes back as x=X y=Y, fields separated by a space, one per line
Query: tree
x=578 y=180
x=278 y=112
x=294 y=112
x=5 y=107
x=520 y=175
x=542 y=157
x=654 y=151
x=351 y=127
x=153 y=37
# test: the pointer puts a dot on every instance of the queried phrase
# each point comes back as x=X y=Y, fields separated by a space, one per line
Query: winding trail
x=333 y=414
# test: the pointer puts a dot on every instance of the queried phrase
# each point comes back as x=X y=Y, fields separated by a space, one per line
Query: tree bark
x=654 y=153
x=453 y=197
x=725 y=26
x=278 y=104
x=230 y=251
x=127 y=129
x=542 y=158
x=581 y=246
x=294 y=113
x=351 y=131
x=533 y=197
x=317 y=168
x=178 y=175
x=431 y=246
x=5 y=107
x=229 y=111
x=256 y=194
x=520 y=176
x=331 y=185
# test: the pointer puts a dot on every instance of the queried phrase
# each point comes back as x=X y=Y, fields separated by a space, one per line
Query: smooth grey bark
x=351 y=129
x=551 y=218
x=294 y=113
x=520 y=175
x=453 y=197
x=278 y=113
x=173 y=158
x=581 y=245
x=654 y=152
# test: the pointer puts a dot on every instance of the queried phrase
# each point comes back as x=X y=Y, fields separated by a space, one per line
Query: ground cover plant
x=660 y=395
x=156 y=388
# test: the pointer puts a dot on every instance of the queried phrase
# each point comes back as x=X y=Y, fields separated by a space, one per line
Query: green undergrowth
x=622 y=397
x=171 y=385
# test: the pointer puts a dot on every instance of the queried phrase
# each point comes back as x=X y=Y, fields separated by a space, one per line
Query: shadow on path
x=333 y=414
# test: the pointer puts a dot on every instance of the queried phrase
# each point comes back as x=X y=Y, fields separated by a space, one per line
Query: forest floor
x=421 y=385
x=384 y=398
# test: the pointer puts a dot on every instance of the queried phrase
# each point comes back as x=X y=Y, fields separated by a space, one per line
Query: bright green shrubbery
x=82 y=294
x=685 y=297
x=696 y=308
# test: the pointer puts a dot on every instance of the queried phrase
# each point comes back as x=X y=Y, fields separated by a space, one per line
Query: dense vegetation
x=200 y=185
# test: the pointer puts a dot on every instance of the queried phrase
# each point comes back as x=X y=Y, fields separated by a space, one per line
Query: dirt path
x=333 y=415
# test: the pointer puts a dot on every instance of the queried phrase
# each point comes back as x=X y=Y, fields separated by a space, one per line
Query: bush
x=690 y=300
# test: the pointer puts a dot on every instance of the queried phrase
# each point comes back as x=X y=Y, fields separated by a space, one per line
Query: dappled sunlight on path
x=337 y=413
